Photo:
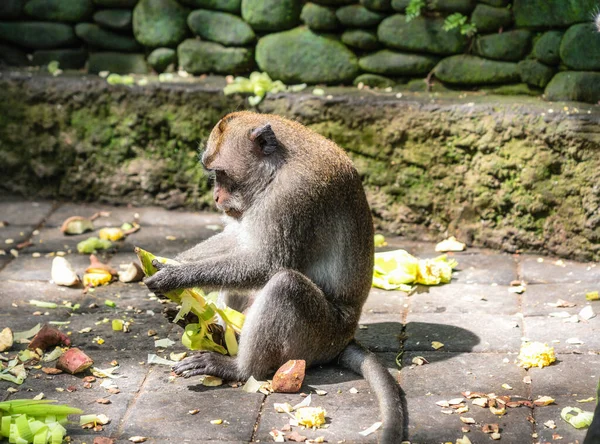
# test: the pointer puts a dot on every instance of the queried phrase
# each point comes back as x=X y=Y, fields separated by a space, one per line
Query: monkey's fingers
x=158 y=265
x=195 y=362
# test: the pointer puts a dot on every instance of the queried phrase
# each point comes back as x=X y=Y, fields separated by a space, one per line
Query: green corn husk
x=202 y=335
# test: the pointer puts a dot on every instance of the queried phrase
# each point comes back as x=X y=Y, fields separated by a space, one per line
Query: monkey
x=298 y=242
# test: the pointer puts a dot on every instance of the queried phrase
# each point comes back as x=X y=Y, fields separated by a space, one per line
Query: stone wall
x=534 y=46
x=503 y=172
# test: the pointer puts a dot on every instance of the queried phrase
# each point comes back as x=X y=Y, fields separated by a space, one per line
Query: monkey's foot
x=208 y=363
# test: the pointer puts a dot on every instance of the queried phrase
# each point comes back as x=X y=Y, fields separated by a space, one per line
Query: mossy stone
x=357 y=16
x=334 y=2
x=451 y=6
x=552 y=13
x=360 y=39
x=38 y=35
x=489 y=18
x=159 y=23
x=498 y=3
x=377 y=5
x=271 y=15
x=161 y=58
x=67 y=58
x=374 y=81
x=60 y=10
x=518 y=89
x=117 y=62
x=582 y=86
x=101 y=38
x=233 y=6
x=466 y=69
x=535 y=73
x=11 y=9
x=400 y=5
x=116 y=3
x=220 y=27
x=319 y=18
x=391 y=63
x=301 y=56
x=547 y=48
x=119 y=19
x=13 y=56
x=580 y=47
x=198 y=57
x=509 y=46
x=422 y=34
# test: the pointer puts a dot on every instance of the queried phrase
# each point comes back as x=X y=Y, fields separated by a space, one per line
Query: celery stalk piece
x=41 y=436
x=23 y=429
x=5 y=426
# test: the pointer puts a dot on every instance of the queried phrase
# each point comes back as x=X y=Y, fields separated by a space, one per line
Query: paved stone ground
x=478 y=320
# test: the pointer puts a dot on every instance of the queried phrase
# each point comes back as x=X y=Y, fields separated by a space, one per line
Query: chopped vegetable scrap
x=536 y=354
x=379 y=240
x=93 y=244
x=289 y=377
x=450 y=244
x=400 y=270
x=74 y=361
x=592 y=296
x=112 y=234
x=34 y=421
x=577 y=417
x=207 y=334
x=6 y=339
x=62 y=272
x=77 y=225
x=259 y=84
x=310 y=416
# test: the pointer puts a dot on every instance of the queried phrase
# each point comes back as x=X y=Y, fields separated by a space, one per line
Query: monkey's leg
x=290 y=319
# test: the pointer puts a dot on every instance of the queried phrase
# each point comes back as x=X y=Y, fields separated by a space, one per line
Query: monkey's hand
x=168 y=277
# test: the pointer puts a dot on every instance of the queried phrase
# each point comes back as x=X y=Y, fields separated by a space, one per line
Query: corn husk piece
x=536 y=354
x=577 y=417
x=310 y=416
x=199 y=336
x=96 y=278
x=62 y=272
x=394 y=269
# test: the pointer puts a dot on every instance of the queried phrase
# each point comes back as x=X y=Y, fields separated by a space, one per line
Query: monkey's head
x=244 y=154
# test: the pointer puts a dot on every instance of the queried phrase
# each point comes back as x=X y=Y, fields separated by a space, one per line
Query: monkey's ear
x=264 y=137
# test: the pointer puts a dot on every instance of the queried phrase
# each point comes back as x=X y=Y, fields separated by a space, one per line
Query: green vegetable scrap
x=202 y=335
x=54 y=68
x=116 y=79
x=400 y=270
x=259 y=84
x=34 y=421
x=92 y=245
x=577 y=417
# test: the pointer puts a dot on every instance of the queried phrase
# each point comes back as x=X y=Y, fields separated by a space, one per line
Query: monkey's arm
x=213 y=246
x=235 y=270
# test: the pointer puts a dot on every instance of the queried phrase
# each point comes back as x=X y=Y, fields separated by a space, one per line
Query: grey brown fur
x=298 y=242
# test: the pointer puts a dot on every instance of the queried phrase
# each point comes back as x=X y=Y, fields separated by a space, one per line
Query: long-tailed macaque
x=298 y=241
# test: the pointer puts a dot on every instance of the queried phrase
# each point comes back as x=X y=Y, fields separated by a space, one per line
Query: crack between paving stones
x=130 y=407
x=258 y=418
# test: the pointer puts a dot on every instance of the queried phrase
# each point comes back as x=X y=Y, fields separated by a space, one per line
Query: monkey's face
x=241 y=156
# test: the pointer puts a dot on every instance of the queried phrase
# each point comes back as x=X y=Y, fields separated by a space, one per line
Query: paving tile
x=464 y=298
x=488 y=268
x=380 y=332
x=429 y=425
x=463 y=333
x=548 y=272
x=569 y=434
x=17 y=211
x=239 y=410
x=548 y=330
x=383 y=301
x=569 y=375
x=537 y=297
x=449 y=374
x=347 y=413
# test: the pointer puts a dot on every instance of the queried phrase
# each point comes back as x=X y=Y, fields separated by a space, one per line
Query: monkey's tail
x=392 y=402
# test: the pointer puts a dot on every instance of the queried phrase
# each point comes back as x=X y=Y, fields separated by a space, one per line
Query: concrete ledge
x=502 y=172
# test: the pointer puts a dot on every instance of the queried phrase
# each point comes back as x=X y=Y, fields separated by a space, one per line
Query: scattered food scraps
x=48 y=337
x=490 y=428
x=131 y=273
x=544 y=401
x=277 y=435
x=259 y=84
x=561 y=303
x=92 y=245
x=577 y=417
x=450 y=244
x=379 y=240
x=592 y=296
x=419 y=360
x=111 y=234
x=536 y=354
x=289 y=377
x=138 y=439
x=399 y=270
x=62 y=273
x=587 y=313
x=574 y=341
x=436 y=345
x=155 y=359
x=550 y=424
x=216 y=421
x=42 y=304
x=163 y=343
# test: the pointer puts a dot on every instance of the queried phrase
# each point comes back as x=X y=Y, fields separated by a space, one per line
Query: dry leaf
x=295 y=436
x=543 y=401
x=490 y=428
